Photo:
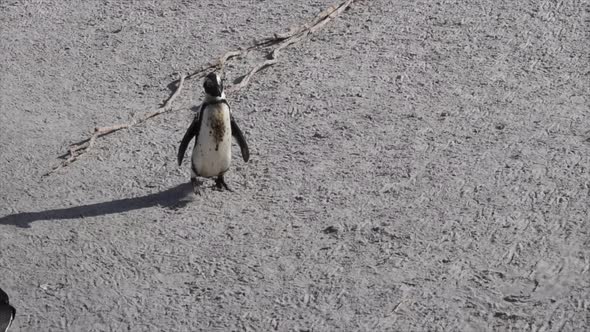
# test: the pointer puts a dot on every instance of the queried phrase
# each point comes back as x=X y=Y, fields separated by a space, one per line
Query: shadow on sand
x=175 y=197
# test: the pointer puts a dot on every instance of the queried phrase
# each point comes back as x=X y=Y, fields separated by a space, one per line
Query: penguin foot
x=220 y=183
x=196 y=184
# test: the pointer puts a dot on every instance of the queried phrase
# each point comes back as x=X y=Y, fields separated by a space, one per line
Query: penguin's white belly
x=212 y=153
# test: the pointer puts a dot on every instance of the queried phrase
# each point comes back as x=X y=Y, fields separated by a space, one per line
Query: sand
x=415 y=166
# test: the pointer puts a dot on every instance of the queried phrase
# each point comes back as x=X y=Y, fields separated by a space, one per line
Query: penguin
x=212 y=130
x=7 y=312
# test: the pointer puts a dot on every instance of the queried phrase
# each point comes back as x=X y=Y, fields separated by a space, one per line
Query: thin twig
x=168 y=105
x=246 y=79
x=294 y=36
x=218 y=65
x=78 y=149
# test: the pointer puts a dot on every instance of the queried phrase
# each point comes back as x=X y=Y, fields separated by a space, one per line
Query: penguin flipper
x=7 y=313
x=3 y=297
x=237 y=133
x=192 y=131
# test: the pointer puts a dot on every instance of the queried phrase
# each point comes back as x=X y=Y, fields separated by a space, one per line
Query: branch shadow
x=173 y=198
x=172 y=86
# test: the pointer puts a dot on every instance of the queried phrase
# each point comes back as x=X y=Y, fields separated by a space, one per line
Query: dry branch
x=244 y=81
x=294 y=36
x=218 y=65
x=80 y=148
x=281 y=41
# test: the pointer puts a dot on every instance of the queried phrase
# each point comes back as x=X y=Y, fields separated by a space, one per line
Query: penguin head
x=213 y=85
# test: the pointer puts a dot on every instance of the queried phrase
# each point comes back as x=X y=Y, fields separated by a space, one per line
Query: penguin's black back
x=7 y=312
x=3 y=297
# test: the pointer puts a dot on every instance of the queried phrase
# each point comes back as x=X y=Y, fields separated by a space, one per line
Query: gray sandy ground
x=416 y=166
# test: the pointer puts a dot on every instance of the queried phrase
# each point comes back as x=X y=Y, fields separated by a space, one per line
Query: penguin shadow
x=173 y=198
